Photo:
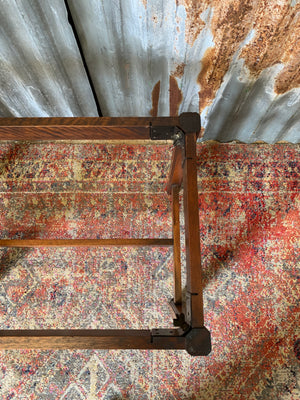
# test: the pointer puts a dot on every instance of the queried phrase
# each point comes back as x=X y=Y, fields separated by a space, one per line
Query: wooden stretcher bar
x=88 y=339
x=81 y=128
x=84 y=242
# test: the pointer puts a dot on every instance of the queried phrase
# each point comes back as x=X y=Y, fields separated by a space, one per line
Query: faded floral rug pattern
x=250 y=236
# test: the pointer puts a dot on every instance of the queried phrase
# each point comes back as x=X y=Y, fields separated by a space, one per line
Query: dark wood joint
x=190 y=122
x=198 y=342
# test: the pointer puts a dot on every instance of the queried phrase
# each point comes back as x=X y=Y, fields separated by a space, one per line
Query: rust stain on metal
x=155 y=98
x=277 y=40
x=289 y=78
x=193 y=24
x=175 y=96
x=230 y=25
x=179 y=71
x=276 y=28
x=155 y=19
x=209 y=79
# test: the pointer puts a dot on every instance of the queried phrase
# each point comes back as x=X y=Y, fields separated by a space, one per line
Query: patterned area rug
x=250 y=235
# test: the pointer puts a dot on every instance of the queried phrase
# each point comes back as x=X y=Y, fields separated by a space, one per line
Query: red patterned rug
x=250 y=236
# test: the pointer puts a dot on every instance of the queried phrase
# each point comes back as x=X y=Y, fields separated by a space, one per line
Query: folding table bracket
x=189 y=331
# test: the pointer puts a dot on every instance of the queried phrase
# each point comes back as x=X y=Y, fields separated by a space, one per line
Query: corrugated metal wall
x=235 y=62
x=41 y=71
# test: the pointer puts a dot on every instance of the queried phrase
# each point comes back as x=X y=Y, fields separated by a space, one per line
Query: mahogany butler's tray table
x=188 y=332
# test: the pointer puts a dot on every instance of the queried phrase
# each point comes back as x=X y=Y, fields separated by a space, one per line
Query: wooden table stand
x=189 y=331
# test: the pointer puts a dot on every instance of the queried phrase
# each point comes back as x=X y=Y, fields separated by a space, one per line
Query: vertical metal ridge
x=84 y=62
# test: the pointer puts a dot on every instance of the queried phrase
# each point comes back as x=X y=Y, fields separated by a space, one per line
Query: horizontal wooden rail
x=84 y=242
x=87 y=339
x=81 y=128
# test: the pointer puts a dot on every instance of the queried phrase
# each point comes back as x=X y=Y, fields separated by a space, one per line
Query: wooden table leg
x=194 y=301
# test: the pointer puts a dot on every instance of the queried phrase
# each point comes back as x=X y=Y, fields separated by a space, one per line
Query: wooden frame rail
x=189 y=331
